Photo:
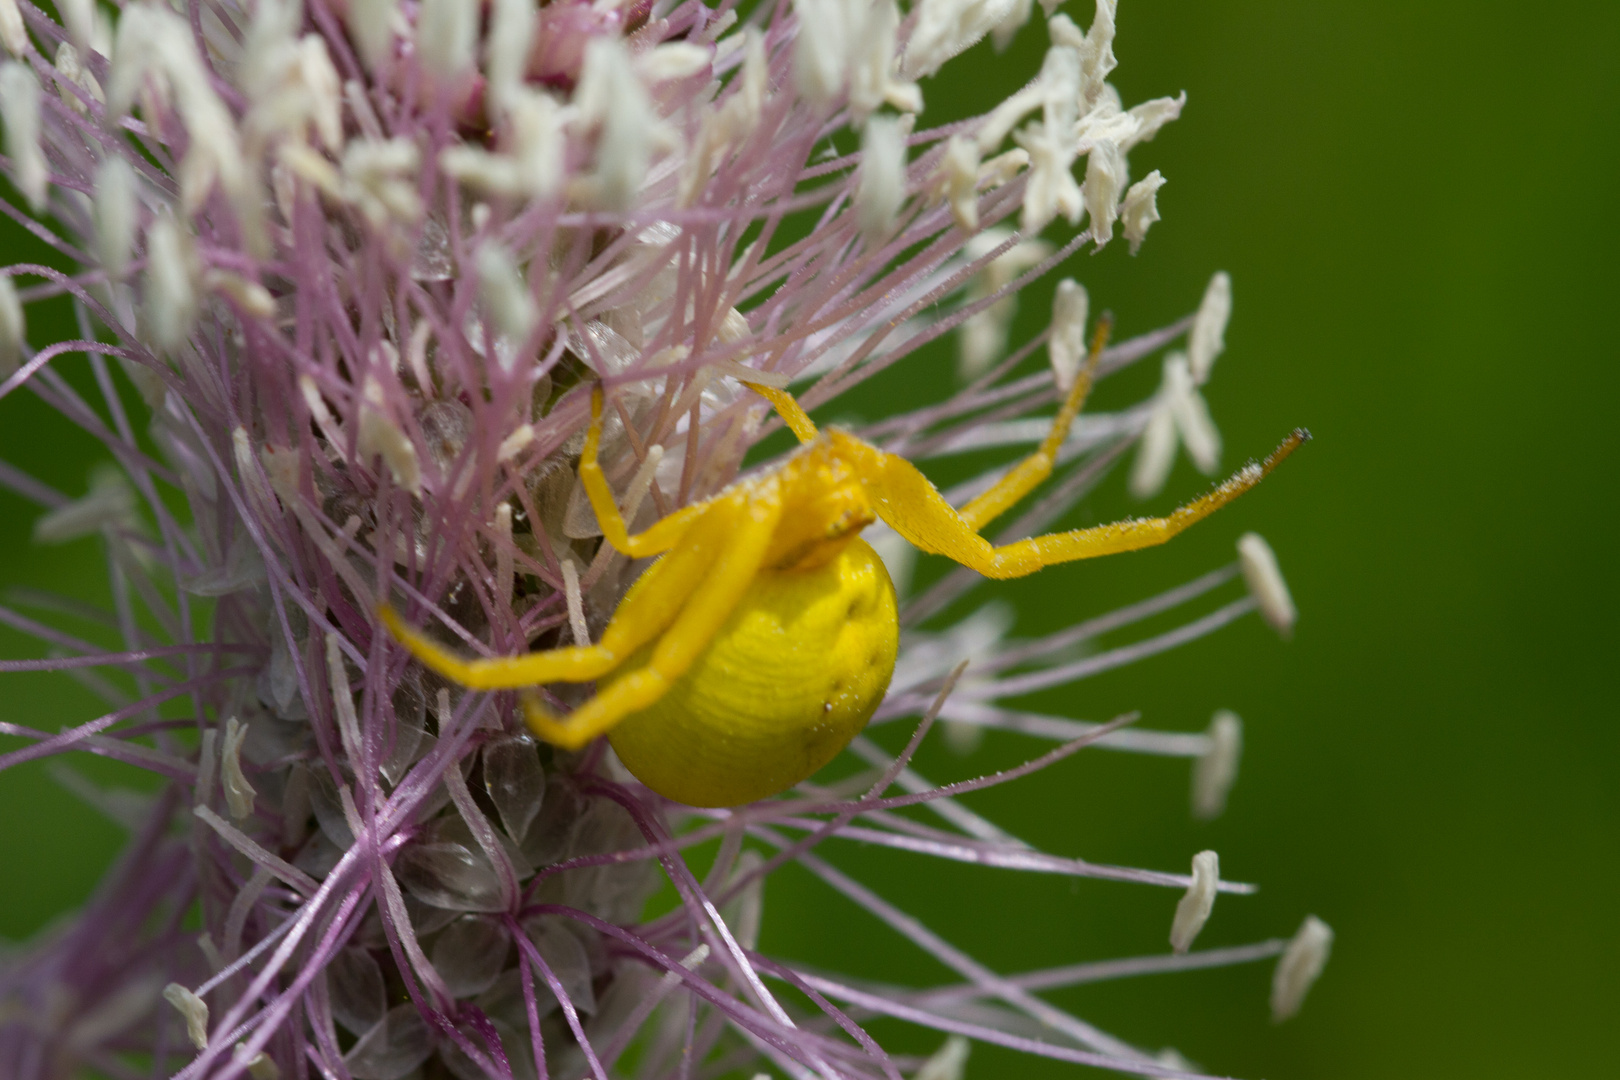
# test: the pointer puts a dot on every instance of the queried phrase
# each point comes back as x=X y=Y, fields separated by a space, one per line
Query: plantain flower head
x=363 y=262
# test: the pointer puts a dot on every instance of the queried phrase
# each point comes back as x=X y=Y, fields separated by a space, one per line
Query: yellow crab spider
x=759 y=645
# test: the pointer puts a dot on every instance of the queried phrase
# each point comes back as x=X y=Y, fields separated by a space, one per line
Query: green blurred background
x=1411 y=201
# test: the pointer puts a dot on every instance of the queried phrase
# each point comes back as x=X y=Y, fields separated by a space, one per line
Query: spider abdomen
x=790 y=679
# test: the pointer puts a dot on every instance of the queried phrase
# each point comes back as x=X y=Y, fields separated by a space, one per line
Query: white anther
x=19 y=106
x=1008 y=27
x=372 y=23
x=71 y=73
x=820 y=50
x=1141 y=208
x=1060 y=90
x=267 y=49
x=958 y=181
x=755 y=81
x=193 y=1010
x=305 y=164
x=1051 y=189
x=210 y=951
x=474 y=167
x=1192 y=912
x=260 y=1066
x=1051 y=143
x=1105 y=176
x=140 y=33
x=447 y=36
x=1097 y=52
x=1207 y=339
x=1156 y=451
x=513 y=444
x=13 y=326
x=730 y=122
x=13 y=33
x=575 y=602
x=320 y=81
x=1003 y=168
x=1266 y=584
x=108 y=504
x=504 y=293
x=503 y=552
x=611 y=96
x=171 y=296
x=1299 y=967
x=506 y=49
x=348 y=722
x=673 y=60
x=641 y=482
x=946 y=1063
x=290 y=82
x=1148 y=117
x=380 y=436
x=79 y=19
x=203 y=789
x=733 y=327
x=1216 y=771
x=1004 y=117
x=1170 y=1058
x=539 y=143
x=871 y=44
x=881 y=189
x=1066 y=344
x=254 y=299
x=1193 y=422
x=945 y=28
x=983 y=337
x=154 y=42
x=416 y=356
x=318 y=412
x=379 y=177
x=239 y=792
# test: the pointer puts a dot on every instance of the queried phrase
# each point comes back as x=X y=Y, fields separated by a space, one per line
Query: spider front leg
x=903 y=497
x=660 y=536
x=1027 y=474
x=789 y=409
x=740 y=526
x=639 y=619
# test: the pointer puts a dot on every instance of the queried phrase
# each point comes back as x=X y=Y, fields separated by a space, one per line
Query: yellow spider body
x=762 y=641
x=788 y=680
